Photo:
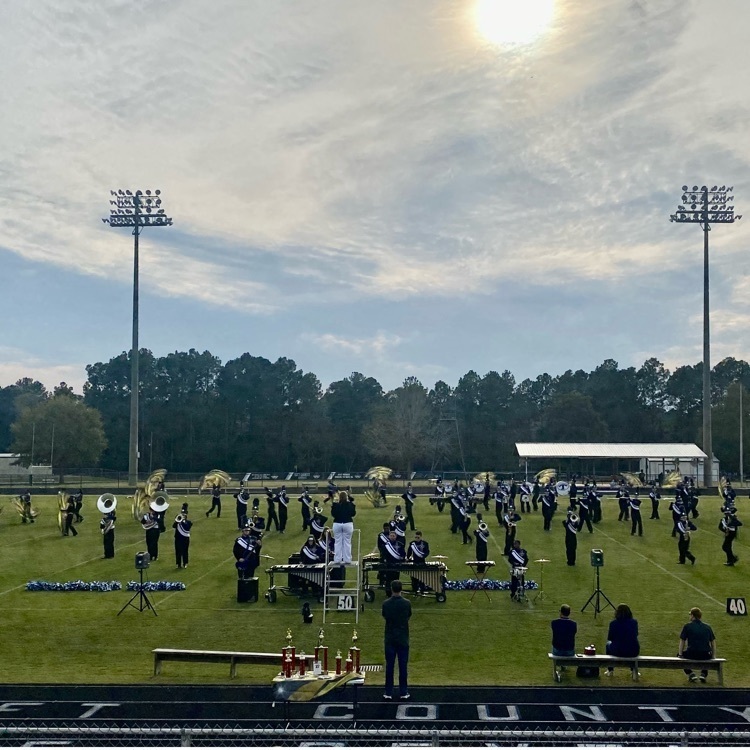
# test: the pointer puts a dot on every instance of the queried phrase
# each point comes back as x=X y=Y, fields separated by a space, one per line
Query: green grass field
x=51 y=637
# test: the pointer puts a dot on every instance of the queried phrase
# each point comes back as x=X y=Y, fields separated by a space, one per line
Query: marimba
x=295 y=574
x=430 y=575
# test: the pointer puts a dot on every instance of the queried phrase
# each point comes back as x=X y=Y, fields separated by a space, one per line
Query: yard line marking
x=208 y=572
x=72 y=567
x=662 y=568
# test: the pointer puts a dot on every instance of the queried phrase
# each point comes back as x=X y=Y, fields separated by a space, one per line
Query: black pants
x=624 y=511
x=273 y=518
x=283 y=516
x=689 y=653
x=655 y=509
x=728 y=551
x=465 y=538
x=305 y=517
x=571 y=547
x=455 y=519
x=675 y=521
x=215 y=505
x=535 y=501
x=509 y=537
x=109 y=544
x=586 y=521
x=241 y=514
x=636 y=522
x=152 y=543
x=69 y=528
x=410 y=517
x=181 y=547
x=547 y=514
x=683 y=547
x=79 y=517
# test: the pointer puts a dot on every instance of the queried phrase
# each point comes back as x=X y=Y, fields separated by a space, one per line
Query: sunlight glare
x=513 y=21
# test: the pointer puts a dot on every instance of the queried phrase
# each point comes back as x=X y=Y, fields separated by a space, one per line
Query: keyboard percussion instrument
x=430 y=575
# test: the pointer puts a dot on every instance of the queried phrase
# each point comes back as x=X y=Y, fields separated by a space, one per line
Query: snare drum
x=519 y=572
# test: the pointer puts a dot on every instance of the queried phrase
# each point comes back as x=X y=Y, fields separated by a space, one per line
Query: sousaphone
x=563 y=488
x=140 y=504
x=106 y=503
x=159 y=502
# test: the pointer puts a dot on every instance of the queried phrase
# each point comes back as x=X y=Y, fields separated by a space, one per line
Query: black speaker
x=142 y=560
x=597 y=558
x=247 y=590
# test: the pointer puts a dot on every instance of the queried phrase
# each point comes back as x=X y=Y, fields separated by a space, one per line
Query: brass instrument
x=215 y=476
x=179 y=518
x=155 y=479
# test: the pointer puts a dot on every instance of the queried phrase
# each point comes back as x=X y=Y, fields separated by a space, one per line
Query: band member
x=526 y=494
x=271 y=500
x=572 y=493
x=729 y=526
x=729 y=494
x=510 y=531
x=241 y=506
x=684 y=527
x=26 y=515
x=394 y=555
x=549 y=502
x=398 y=524
x=654 y=496
x=310 y=552
x=536 y=490
x=438 y=497
x=317 y=522
x=623 y=500
x=678 y=510
x=456 y=505
x=584 y=511
x=692 y=501
x=419 y=549
x=70 y=514
x=464 y=522
x=307 y=504
x=107 y=527
x=499 y=497
x=486 y=492
x=150 y=523
x=332 y=489
x=182 y=528
x=246 y=552
x=482 y=535
x=518 y=558
x=78 y=499
x=573 y=524
x=595 y=503
x=283 y=500
x=215 y=501
x=409 y=497
x=327 y=544
x=635 y=515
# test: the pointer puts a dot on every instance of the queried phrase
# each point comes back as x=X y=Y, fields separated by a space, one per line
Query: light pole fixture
x=136 y=209
x=703 y=206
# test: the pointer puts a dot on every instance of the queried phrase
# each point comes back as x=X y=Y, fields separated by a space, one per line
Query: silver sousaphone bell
x=573 y=517
x=159 y=503
x=106 y=502
x=563 y=488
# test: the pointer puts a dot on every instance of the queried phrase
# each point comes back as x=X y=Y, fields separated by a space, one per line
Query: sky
x=400 y=188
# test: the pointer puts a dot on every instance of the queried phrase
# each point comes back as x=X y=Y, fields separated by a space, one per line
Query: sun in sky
x=513 y=21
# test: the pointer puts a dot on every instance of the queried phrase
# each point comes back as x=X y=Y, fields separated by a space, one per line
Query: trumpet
x=179 y=518
x=483 y=526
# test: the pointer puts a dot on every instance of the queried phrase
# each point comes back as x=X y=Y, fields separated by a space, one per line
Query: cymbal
x=439 y=557
x=542 y=560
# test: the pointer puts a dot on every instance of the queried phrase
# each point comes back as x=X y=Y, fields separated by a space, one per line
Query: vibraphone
x=431 y=576
x=296 y=573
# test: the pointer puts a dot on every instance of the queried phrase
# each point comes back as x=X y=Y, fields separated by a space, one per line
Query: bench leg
x=233 y=668
x=157 y=666
x=720 y=670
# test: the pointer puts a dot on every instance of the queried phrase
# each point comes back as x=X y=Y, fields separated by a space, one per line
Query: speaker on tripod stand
x=597 y=562
x=142 y=562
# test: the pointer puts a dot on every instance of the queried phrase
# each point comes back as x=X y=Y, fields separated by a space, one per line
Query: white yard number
x=736 y=606
x=345 y=602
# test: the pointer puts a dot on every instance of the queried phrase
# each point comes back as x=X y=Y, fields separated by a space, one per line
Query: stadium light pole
x=703 y=206
x=136 y=209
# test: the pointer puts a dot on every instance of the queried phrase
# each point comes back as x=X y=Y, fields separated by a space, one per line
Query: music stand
x=143 y=600
x=599 y=594
x=480 y=575
x=540 y=593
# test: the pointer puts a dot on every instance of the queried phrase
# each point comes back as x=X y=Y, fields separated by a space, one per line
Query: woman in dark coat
x=622 y=637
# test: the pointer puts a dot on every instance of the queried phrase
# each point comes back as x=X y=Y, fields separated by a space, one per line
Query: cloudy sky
x=401 y=187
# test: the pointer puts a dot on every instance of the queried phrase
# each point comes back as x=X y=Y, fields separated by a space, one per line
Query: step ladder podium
x=342 y=586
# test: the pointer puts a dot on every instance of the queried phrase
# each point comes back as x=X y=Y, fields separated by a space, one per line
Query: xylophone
x=296 y=573
x=430 y=574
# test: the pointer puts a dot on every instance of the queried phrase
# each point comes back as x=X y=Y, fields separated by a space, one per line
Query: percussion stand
x=599 y=594
x=479 y=577
x=540 y=593
x=143 y=600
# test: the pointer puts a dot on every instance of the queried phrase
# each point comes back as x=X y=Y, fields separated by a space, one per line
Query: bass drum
x=563 y=488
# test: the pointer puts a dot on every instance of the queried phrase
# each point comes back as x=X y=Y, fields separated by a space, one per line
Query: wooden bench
x=636 y=663
x=233 y=658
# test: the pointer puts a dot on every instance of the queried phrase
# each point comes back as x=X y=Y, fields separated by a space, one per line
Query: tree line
x=251 y=414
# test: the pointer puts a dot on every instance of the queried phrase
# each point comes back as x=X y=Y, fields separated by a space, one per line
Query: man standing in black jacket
x=396 y=612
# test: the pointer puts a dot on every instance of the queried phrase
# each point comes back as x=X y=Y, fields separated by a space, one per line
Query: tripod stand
x=143 y=600
x=599 y=594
